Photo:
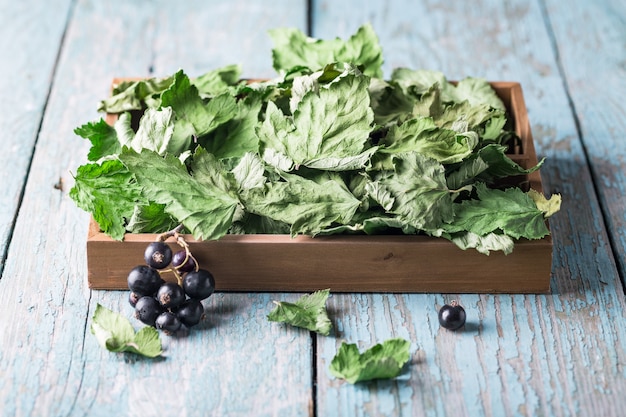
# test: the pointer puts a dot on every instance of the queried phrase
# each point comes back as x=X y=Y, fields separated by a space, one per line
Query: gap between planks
x=572 y=106
x=20 y=197
x=314 y=363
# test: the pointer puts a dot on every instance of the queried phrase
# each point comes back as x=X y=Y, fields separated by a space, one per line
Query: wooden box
x=351 y=263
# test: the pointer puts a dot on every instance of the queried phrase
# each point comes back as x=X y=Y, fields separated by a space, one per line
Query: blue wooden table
x=556 y=354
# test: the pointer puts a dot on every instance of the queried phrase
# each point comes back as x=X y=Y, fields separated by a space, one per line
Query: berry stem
x=179 y=278
x=166 y=235
x=180 y=240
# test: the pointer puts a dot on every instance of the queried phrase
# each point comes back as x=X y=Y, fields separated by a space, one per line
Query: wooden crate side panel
x=343 y=264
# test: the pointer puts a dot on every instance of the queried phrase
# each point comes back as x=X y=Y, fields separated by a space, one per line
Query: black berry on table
x=190 y=312
x=452 y=316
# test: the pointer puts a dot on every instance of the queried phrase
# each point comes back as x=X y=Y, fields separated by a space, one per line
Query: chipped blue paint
x=528 y=355
x=558 y=354
x=30 y=38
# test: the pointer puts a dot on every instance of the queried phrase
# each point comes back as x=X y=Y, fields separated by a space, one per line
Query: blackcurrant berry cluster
x=172 y=307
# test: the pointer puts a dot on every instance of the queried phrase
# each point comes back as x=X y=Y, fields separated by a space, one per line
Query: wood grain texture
x=560 y=354
x=516 y=356
x=339 y=263
x=593 y=66
x=50 y=364
x=30 y=37
x=522 y=355
x=235 y=362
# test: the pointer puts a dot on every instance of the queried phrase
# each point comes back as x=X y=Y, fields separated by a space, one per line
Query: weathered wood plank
x=520 y=355
x=597 y=90
x=238 y=364
x=30 y=36
x=233 y=363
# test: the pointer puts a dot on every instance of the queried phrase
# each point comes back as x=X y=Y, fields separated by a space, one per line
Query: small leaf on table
x=116 y=334
x=308 y=312
x=381 y=361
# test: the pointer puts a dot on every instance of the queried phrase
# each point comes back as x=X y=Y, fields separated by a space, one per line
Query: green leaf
x=124 y=130
x=218 y=81
x=485 y=165
x=472 y=105
x=306 y=205
x=326 y=147
x=429 y=103
x=464 y=116
x=147 y=342
x=381 y=361
x=150 y=218
x=249 y=223
x=194 y=117
x=329 y=128
x=238 y=135
x=477 y=91
x=547 y=206
x=484 y=244
x=423 y=136
x=249 y=172
x=109 y=192
x=135 y=95
x=389 y=102
x=200 y=201
x=511 y=211
x=116 y=334
x=500 y=164
x=111 y=329
x=419 y=191
x=371 y=225
x=292 y=48
x=417 y=82
x=103 y=139
x=308 y=312
x=155 y=132
x=274 y=134
x=494 y=128
x=467 y=172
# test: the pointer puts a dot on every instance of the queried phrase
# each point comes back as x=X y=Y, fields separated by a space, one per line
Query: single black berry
x=183 y=262
x=199 y=284
x=168 y=322
x=170 y=295
x=158 y=255
x=452 y=316
x=147 y=310
x=144 y=280
x=190 y=312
